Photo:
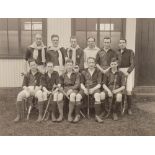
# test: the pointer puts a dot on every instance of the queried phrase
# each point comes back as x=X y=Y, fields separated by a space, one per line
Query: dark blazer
x=53 y=56
x=126 y=59
x=79 y=57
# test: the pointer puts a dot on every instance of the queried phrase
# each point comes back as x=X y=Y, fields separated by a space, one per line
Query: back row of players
x=76 y=73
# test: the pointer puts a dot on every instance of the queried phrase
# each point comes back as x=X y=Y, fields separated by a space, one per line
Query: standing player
x=90 y=51
x=127 y=65
x=75 y=53
x=105 y=55
x=56 y=54
x=36 y=51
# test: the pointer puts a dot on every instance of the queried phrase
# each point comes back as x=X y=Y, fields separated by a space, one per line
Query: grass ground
x=141 y=123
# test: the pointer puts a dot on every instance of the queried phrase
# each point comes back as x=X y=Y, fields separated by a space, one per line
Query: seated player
x=70 y=81
x=31 y=87
x=90 y=85
x=114 y=85
x=48 y=81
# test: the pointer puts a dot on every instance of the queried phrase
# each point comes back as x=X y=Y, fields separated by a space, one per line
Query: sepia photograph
x=77 y=76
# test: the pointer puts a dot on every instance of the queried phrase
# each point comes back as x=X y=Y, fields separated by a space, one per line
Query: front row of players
x=75 y=87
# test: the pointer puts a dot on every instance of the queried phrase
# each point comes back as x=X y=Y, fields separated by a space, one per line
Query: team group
x=57 y=74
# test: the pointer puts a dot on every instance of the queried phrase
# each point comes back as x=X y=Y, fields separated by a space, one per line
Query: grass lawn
x=140 y=123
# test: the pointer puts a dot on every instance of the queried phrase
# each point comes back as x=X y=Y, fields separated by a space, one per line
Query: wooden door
x=145 y=52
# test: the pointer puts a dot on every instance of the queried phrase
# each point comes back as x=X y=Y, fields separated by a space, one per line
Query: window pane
x=93 y=34
x=92 y=24
x=25 y=33
x=34 y=33
x=117 y=24
x=36 y=24
x=3 y=24
x=13 y=36
x=102 y=35
x=3 y=42
x=25 y=24
x=12 y=24
x=81 y=38
x=105 y=20
x=115 y=36
x=80 y=24
x=25 y=39
x=13 y=42
x=113 y=24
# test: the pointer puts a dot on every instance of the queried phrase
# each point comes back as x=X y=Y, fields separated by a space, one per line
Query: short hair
x=109 y=38
x=31 y=60
x=49 y=62
x=69 y=61
x=123 y=39
x=73 y=37
x=54 y=35
x=91 y=58
x=38 y=34
x=91 y=37
x=114 y=60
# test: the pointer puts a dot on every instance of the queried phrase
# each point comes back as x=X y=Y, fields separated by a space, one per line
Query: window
x=17 y=33
x=98 y=28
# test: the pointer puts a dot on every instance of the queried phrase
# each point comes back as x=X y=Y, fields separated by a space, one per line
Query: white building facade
x=12 y=61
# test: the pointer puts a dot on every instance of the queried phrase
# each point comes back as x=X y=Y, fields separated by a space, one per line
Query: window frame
x=20 y=54
x=73 y=29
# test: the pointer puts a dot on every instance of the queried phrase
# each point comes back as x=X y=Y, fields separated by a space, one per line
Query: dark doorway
x=145 y=52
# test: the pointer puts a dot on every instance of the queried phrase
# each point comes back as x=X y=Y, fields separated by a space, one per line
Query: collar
x=91 y=71
x=52 y=48
x=107 y=49
x=34 y=45
x=115 y=72
x=95 y=48
x=88 y=69
x=123 y=49
x=71 y=73
x=71 y=48
x=30 y=72
x=49 y=73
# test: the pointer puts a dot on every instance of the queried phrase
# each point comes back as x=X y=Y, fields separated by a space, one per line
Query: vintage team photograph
x=77 y=76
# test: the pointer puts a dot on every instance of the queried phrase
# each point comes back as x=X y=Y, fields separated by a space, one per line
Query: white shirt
x=88 y=52
x=91 y=71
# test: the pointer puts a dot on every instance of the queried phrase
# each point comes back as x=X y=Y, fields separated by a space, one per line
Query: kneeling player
x=70 y=81
x=48 y=81
x=90 y=85
x=31 y=87
x=114 y=84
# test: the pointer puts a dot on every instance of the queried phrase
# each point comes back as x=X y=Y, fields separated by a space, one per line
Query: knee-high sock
x=116 y=107
x=60 y=108
x=97 y=108
x=71 y=108
x=123 y=98
x=19 y=108
x=129 y=101
x=52 y=107
x=110 y=102
x=77 y=108
x=40 y=108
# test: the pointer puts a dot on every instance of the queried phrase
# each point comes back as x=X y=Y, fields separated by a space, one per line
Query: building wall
x=11 y=69
x=60 y=26
x=131 y=38
x=10 y=72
